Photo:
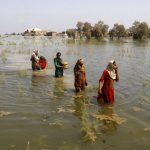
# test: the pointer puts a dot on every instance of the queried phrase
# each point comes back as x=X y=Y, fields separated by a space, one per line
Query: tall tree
x=80 y=26
x=87 y=28
x=100 y=30
x=71 y=33
x=140 y=30
x=118 y=31
x=111 y=33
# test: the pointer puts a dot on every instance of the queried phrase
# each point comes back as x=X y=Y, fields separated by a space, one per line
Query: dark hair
x=58 y=54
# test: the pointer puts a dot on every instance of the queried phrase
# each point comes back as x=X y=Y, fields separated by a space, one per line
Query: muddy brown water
x=40 y=112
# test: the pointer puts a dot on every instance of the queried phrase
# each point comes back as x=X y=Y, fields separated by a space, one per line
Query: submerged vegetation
x=48 y=110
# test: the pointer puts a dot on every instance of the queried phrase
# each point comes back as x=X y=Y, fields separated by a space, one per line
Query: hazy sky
x=58 y=15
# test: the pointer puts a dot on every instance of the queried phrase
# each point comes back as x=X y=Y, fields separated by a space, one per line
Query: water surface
x=40 y=112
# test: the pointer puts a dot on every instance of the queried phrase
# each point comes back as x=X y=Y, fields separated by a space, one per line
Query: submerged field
x=40 y=112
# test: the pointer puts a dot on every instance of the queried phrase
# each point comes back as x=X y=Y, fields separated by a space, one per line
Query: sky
x=59 y=15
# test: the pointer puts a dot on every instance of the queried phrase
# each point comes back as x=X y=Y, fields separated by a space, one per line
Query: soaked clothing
x=108 y=87
x=35 y=62
x=80 y=77
x=42 y=62
x=58 y=67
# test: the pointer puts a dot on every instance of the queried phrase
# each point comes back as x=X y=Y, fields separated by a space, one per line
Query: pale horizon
x=55 y=15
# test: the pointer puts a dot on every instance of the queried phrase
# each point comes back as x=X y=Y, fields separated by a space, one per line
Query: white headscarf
x=111 y=70
x=36 y=56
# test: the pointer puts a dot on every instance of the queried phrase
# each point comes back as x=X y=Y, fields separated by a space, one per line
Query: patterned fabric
x=80 y=76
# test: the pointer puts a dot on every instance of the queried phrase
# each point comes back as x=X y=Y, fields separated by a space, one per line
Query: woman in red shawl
x=106 y=82
x=80 y=76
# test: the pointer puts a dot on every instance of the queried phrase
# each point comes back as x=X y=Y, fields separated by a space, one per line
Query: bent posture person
x=58 y=65
x=35 y=60
x=106 y=82
x=80 y=76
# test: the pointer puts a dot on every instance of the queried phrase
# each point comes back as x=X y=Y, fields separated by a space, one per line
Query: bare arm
x=117 y=76
x=101 y=83
x=56 y=63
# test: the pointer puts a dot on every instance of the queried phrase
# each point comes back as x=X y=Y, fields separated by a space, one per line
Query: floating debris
x=135 y=108
x=78 y=96
x=113 y=117
x=28 y=145
x=146 y=83
x=56 y=124
x=65 y=110
x=60 y=110
x=13 y=146
x=70 y=110
x=89 y=136
x=146 y=129
x=5 y=113
x=145 y=98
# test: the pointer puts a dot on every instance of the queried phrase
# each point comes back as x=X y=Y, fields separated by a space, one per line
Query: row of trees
x=139 y=30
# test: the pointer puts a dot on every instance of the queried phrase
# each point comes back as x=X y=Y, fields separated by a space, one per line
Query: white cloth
x=111 y=70
x=112 y=74
x=35 y=56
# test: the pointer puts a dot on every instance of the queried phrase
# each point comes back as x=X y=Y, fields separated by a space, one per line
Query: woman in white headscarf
x=35 y=60
x=106 y=82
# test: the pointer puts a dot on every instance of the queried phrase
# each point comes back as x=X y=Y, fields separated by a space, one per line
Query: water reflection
x=38 y=77
x=59 y=84
x=109 y=125
x=47 y=93
x=81 y=111
x=79 y=106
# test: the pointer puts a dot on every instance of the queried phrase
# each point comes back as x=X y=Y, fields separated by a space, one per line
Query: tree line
x=139 y=30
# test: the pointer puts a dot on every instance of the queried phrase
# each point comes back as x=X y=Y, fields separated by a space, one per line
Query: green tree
x=111 y=33
x=87 y=29
x=71 y=33
x=149 y=33
x=117 y=31
x=140 y=30
x=100 y=30
x=80 y=26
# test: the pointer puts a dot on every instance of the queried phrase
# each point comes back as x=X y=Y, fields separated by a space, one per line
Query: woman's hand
x=86 y=84
x=116 y=69
x=99 y=91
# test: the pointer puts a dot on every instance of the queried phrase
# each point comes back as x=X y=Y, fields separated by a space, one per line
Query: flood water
x=41 y=112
